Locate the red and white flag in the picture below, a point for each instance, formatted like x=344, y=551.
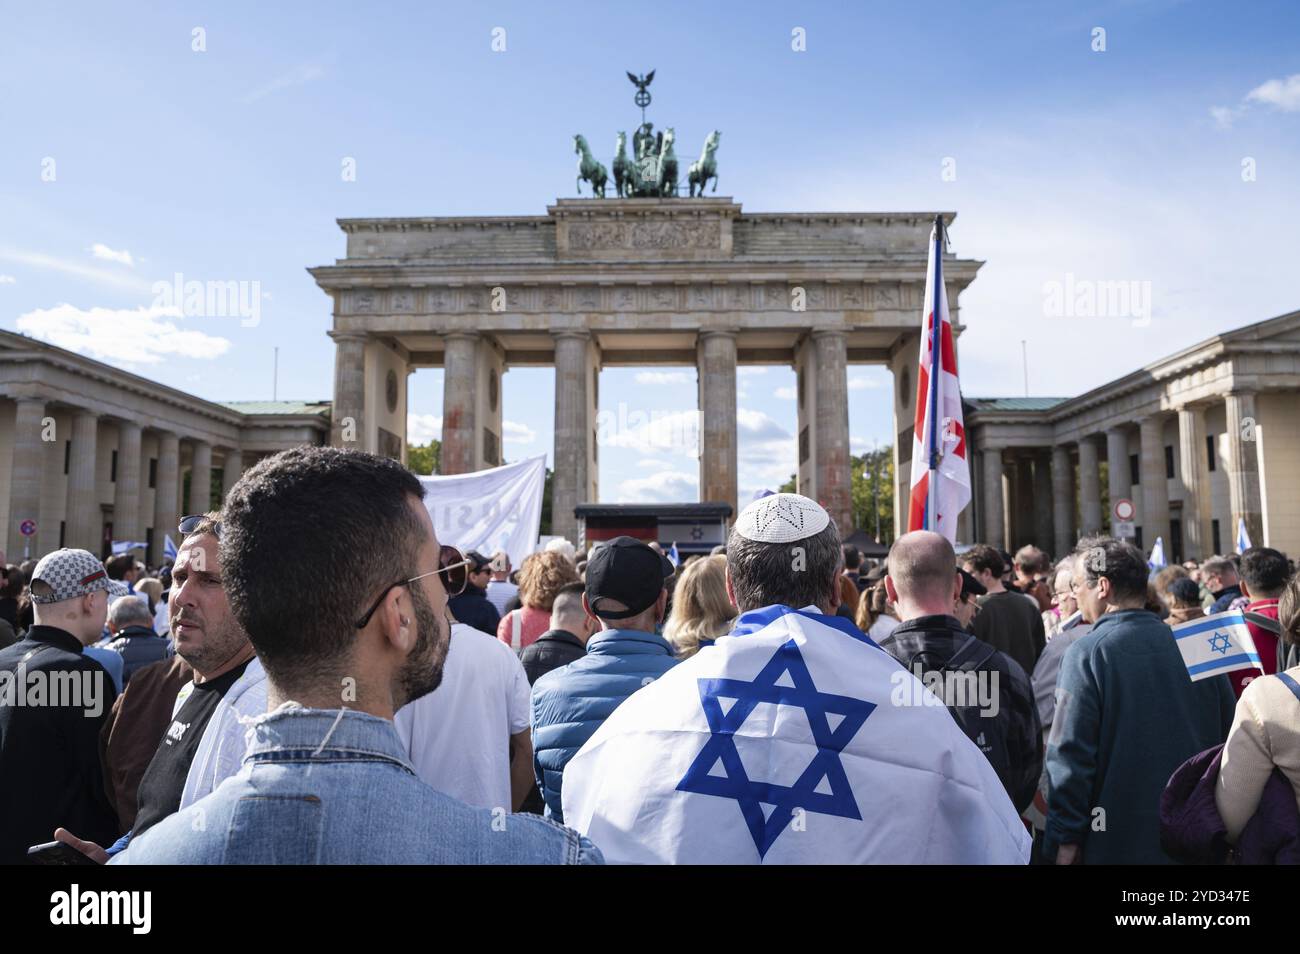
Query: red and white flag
x=940, y=471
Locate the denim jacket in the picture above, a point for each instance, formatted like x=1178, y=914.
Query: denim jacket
x=334, y=786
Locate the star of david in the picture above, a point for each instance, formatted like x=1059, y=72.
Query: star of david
x=834, y=798
x=1220, y=643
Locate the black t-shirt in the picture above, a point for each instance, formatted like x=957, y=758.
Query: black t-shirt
x=164, y=780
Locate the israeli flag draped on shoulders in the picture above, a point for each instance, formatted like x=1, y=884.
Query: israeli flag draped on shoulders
x=1216, y=644
x=789, y=741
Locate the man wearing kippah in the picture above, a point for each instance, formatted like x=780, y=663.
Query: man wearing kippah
x=794, y=739
x=53, y=701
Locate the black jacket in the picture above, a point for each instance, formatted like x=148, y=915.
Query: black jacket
x=551, y=650
x=50, y=773
x=473, y=609
x=139, y=646
x=1011, y=737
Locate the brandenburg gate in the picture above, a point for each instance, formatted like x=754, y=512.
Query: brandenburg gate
x=631, y=281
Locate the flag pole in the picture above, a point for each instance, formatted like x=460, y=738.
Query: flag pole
x=936, y=368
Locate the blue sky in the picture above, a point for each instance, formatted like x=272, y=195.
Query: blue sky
x=1119, y=165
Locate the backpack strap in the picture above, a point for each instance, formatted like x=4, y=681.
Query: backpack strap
x=517, y=629
x=1290, y=684
x=1264, y=622
x=970, y=655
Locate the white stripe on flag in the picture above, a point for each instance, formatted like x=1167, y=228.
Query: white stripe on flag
x=1216, y=644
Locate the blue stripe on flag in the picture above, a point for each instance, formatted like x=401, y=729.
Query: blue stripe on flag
x=1217, y=621
x=1240, y=661
x=755, y=620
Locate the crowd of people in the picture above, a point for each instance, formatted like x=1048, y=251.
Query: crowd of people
x=317, y=678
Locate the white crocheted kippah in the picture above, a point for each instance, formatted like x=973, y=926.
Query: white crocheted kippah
x=782, y=518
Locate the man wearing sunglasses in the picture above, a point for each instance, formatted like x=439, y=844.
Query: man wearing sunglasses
x=325, y=779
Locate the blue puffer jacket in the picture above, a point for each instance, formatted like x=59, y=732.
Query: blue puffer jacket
x=570, y=703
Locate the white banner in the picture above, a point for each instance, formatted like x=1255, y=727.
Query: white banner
x=489, y=510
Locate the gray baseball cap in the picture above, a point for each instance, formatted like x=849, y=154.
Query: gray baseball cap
x=69, y=574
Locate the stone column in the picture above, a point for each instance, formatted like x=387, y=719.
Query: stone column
x=1062, y=502
x=1117, y=466
x=347, y=416
x=831, y=388
x=459, y=401
x=84, y=521
x=1044, y=517
x=716, y=363
x=126, y=494
x=231, y=469
x=570, y=483
x=200, y=477
x=1089, y=487
x=167, y=480
x=1243, y=467
x=994, y=517
x=1196, y=501
x=1155, y=485
x=28, y=477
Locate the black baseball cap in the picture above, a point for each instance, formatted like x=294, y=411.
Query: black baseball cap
x=971, y=586
x=626, y=570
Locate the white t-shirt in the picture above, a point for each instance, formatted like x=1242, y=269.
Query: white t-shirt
x=501, y=592
x=458, y=736
x=882, y=627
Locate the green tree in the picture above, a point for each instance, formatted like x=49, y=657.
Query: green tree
x=872, y=491
x=423, y=459
x=790, y=486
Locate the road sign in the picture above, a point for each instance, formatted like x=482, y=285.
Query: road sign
x=27, y=528
x=1124, y=529
x=1124, y=510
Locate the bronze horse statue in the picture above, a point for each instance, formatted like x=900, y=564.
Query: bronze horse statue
x=706, y=167
x=622, y=169
x=589, y=168
x=667, y=184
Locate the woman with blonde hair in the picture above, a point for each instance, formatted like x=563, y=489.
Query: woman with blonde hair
x=875, y=614
x=701, y=609
x=541, y=577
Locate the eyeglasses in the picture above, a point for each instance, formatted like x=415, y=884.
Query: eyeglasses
x=455, y=582
x=191, y=523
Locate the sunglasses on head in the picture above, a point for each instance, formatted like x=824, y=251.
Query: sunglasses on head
x=191, y=523
x=450, y=562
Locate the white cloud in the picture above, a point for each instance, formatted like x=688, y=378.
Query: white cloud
x=653, y=463
x=101, y=276
x=667, y=486
x=757, y=426
x=100, y=250
x=299, y=76
x=858, y=383
x=516, y=433
x=786, y=394
x=1283, y=94
x=675, y=432
x=124, y=335
x=746, y=370
x=422, y=428
x=663, y=377
x=8, y=280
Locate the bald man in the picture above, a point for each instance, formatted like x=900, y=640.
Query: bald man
x=986, y=691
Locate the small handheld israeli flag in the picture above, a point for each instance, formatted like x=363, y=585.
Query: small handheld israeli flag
x=1216, y=644
x=169, y=548
x=126, y=546
x=1243, y=538
x=1157, y=559
x=672, y=555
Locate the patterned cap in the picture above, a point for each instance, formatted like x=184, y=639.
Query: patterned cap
x=782, y=518
x=69, y=574
x=117, y=588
